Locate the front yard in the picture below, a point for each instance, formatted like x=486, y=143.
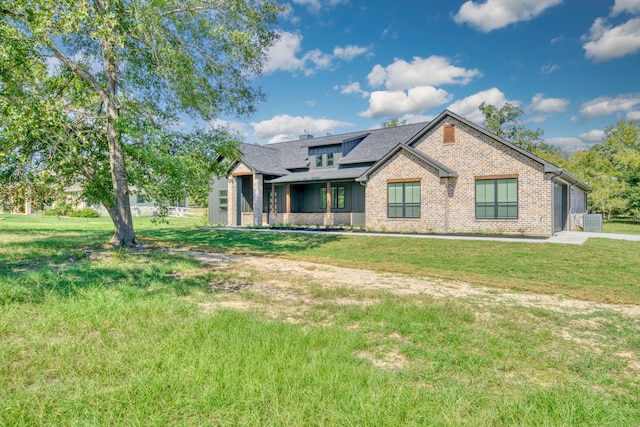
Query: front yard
x=204, y=327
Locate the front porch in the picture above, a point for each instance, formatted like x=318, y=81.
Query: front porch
x=259, y=202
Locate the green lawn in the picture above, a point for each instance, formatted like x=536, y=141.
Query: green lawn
x=600, y=270
x=621, y=225
x=95, y=336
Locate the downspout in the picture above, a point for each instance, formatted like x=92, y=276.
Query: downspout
x=570, y=206
x=364, y=184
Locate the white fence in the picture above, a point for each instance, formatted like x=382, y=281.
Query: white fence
x=188, y=212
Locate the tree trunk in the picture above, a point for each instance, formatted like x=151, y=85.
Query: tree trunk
x=121, y=212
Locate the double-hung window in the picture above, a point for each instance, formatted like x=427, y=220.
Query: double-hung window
x=497, y=198
x=403, y=199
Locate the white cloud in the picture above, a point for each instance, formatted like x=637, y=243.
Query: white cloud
x=569, y=144
x=605, y=42
x=349, y=52
x=603, y=106
x=53, y=65
x=432, y=71
x=286, y=55
x=633, y=115
x=630, y=6
x=548, y=105
x=288, y=127
x=415, y=100
x=316, y=5
x=494, y=14
x=280, y=138
x=237, y=128
x=593, y=136
x=537, y=119
x=549, y=68
x=417, y=118
x=468, y=107
x=288, y=15
x=377, y=76
x=352, y=88
x=282, y=56
x=583, y=142
x=321, y=60
x=388, y=32
x=92, y=62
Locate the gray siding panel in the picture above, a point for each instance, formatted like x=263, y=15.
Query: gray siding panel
x=218, y=202
x=357, y=197
x=306, y=198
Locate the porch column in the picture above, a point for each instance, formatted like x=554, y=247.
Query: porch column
x=258, y=182
x=328, y=217
x=232, y=201
x=288, y=199
x=273, y=198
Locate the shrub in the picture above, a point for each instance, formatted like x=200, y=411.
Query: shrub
x=61, y=209
x=85, y=213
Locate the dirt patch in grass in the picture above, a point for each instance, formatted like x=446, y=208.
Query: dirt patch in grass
x=282, y=279
x=303, y=292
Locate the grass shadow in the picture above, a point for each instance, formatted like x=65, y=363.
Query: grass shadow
x=239, y=241
x=146, y=273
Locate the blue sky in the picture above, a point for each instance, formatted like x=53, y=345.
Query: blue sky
x=340, y=66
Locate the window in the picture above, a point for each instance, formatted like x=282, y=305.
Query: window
x=497, y=198
x=324, y=157
x=403, y=200
x=222, y=200
x=140, y=199
x=337, y=194
x=329, y=159
x=337, y=197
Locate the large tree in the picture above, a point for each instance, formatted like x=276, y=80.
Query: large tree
x=607, y=195
x=507, y=123
x=99, y=88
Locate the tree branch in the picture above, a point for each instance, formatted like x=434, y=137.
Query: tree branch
x=191, y=9
x=84, y=75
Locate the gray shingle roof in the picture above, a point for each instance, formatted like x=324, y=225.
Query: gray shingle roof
x=263, y=159
x=443, y=171
x=278, y=158
x=321, y=175
x=379, y=142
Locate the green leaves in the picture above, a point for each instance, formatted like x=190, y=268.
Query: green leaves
x=506, y=123
x=127, y=71
x=612, y=168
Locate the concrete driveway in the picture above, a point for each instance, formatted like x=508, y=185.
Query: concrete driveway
x=563, y=237
x=579, y=237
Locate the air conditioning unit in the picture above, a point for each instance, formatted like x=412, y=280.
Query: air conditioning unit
x=592, y=223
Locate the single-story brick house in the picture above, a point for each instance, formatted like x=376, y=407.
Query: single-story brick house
x=446, y=176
